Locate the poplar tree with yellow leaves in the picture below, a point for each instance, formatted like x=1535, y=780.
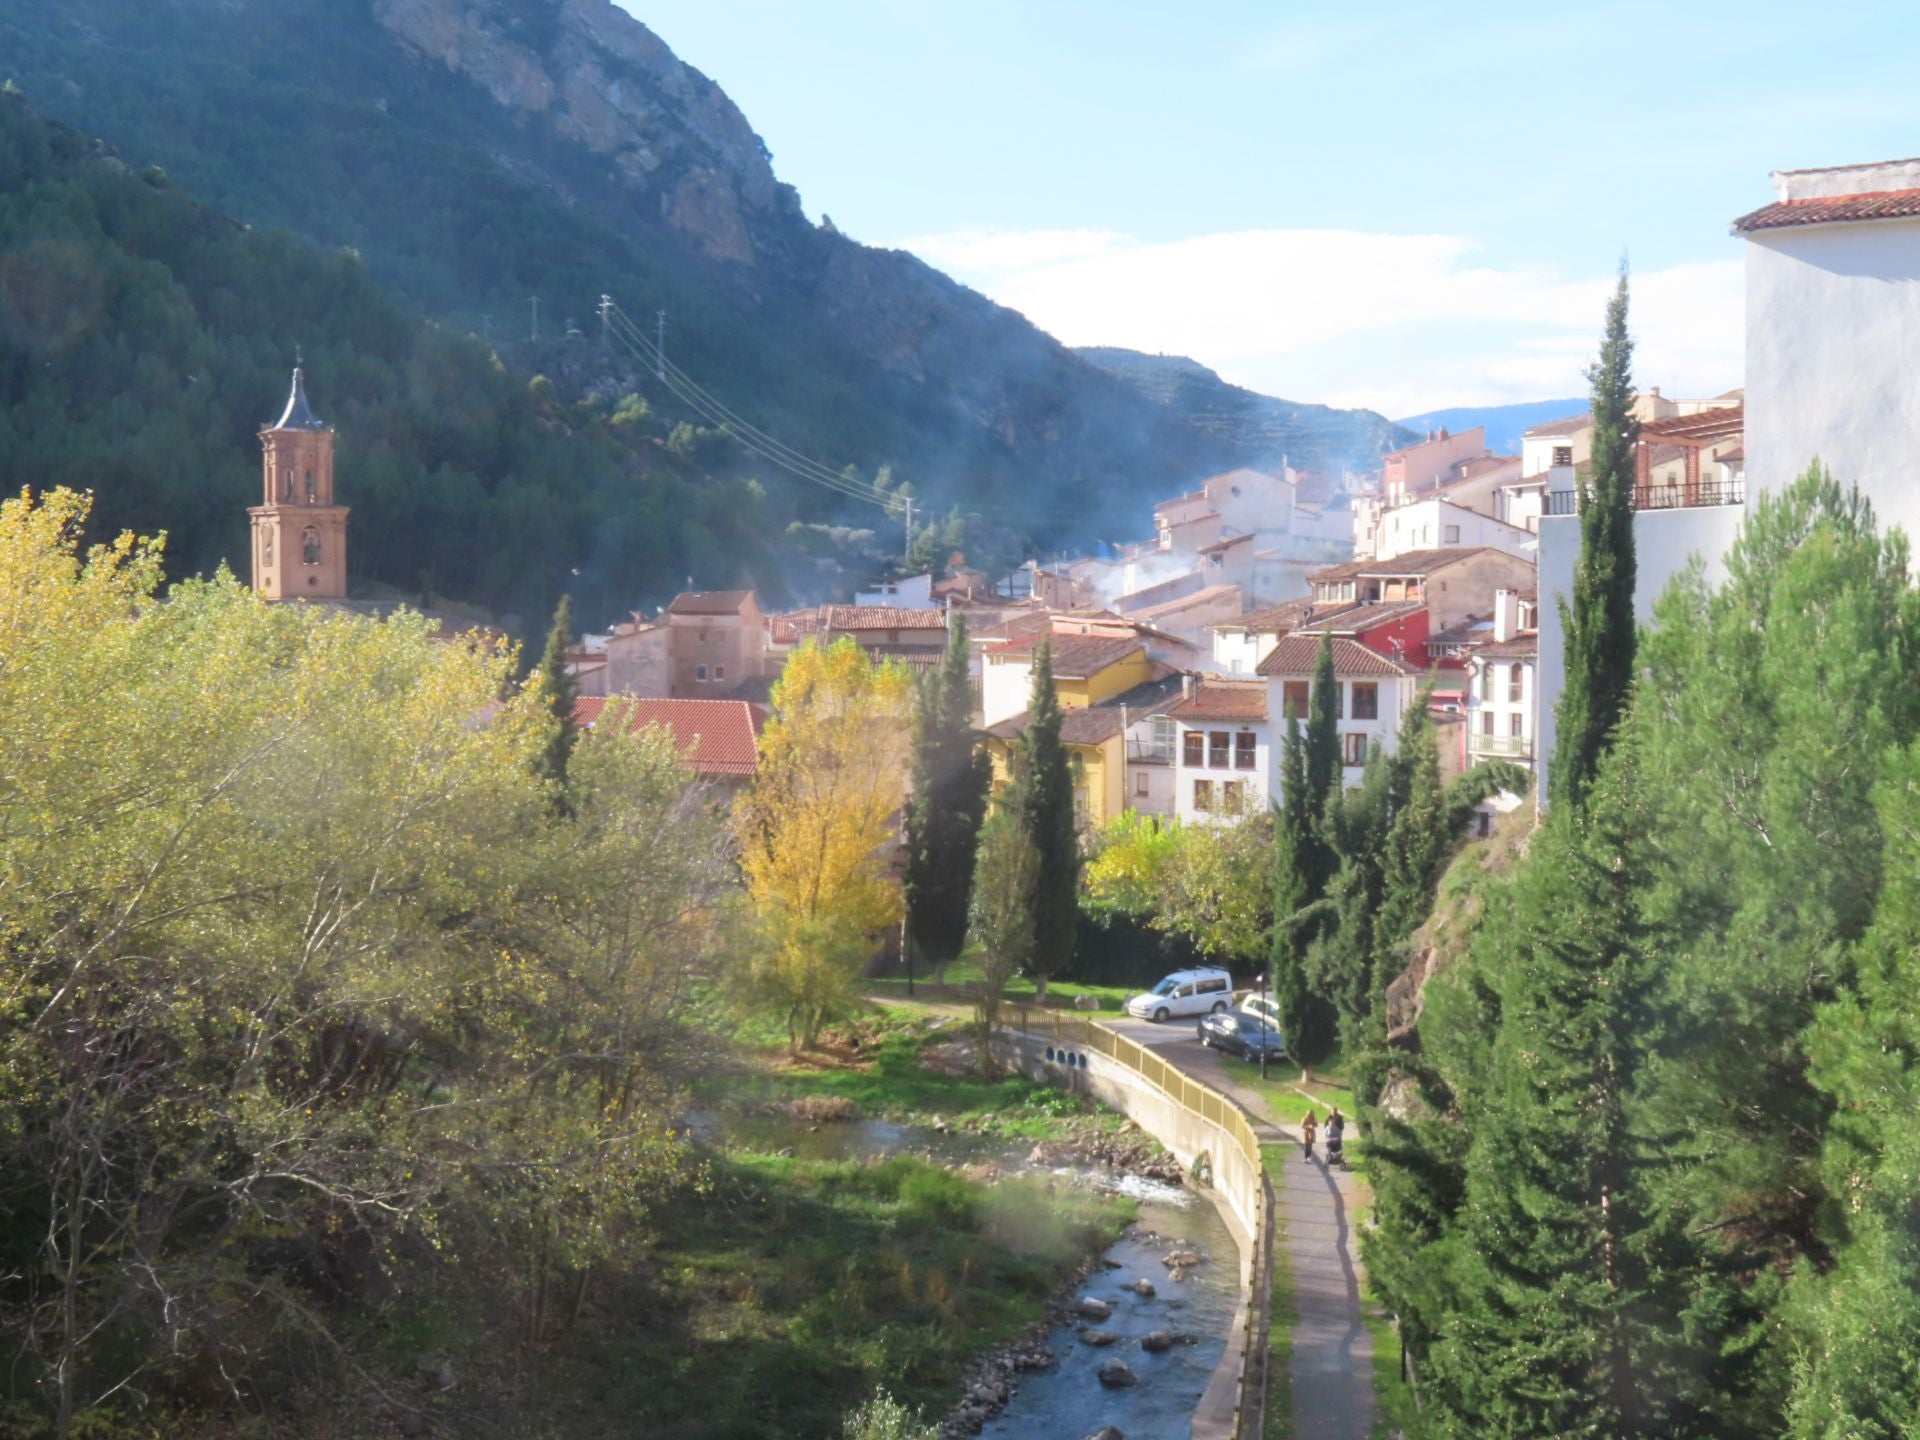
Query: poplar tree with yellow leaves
x=817, y=829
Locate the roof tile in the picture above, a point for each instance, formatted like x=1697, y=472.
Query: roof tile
x=1298, y=655
x=1833, y=209
x=717, y=737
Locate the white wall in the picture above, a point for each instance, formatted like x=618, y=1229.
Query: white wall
x=1005, y=688
x=1833, y=359
x=1394, y=696
x=1239, y=652
x=915, y=592
x=1260, y=781
x=1436, y=524
x=1503, y=709
x=1664, y=541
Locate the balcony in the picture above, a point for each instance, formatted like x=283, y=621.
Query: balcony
x=1500, y=747
x=1702, y=495
x=1142, y=751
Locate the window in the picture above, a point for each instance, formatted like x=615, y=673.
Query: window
x=310, y=490
x=700, y=673
x=1353, y=749
x=1218, y=742
x=1163, y=738
x=1140, y=786
x=1486, y=722
x=1243, y=750
x=1203, y=796
x=1233, y=797
x=1211, y=987
x=1563, y=454
x=1486, y=680
x=719, y=672
x=1366, y=700
x=1515, y=683
x=1293, y=704
x=1193, y=747
x=310, y=547
x=1452, y=533
x=1514, y=727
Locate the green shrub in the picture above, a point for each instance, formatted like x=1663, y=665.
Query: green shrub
x=939, y=1199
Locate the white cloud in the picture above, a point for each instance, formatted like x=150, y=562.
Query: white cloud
x=1399, y=323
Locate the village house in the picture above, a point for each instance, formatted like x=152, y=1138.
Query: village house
x=1240, y=644
x=1500, y=687
x=1226, y=766
x=1121, y=750
x=1440, y=521
x=1453, y=583
x=1086, y=670
x=1192, y=617
x=1374, y=692
x=910, y=637
x=718, y=739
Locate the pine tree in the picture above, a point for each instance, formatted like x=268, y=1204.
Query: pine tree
x=950, y=778
x=1004, y=912
x=1566, y=1321
x=1046, y=813
x=1306, y=1018
x=1598, y=620
x=560, y=690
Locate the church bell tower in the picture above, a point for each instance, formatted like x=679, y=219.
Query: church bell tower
x=299, y=534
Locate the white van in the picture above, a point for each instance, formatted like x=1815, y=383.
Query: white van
x=1185, y=992
x=1261, y=1005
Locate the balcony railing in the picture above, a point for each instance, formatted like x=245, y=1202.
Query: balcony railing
x=1149, y=752
x=1510, y=747
x=1705, y=494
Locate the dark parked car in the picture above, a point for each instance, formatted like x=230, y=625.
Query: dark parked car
x=1241, y=1034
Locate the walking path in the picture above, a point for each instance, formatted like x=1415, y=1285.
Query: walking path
x=1332, y=1357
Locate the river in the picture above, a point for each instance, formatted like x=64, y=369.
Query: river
x=1067, y=1401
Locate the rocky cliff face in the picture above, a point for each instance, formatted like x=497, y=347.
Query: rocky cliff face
x=593, y=74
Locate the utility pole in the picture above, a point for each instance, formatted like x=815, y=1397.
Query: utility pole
x=660, y=346
x=606, y=321
x=906, y=554
x=534, y=333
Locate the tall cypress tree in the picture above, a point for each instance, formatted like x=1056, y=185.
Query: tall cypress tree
x=1598, y=620
x=1323, y=729
x=950, y=777
x=1046, y=812
x=560, y=690
x=1306, y=1018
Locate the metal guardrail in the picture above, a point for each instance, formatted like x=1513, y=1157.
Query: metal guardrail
x=1249, y=1410
x=1520, y=745
x=1703, y=495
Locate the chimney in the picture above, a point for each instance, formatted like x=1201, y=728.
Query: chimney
x=1443, y=432
x=1506, y=613
x=1186, y=686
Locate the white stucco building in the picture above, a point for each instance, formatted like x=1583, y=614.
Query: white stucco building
x=1225, y=762
x=1375, y=691
x=1439, y=523
x=1500, y=687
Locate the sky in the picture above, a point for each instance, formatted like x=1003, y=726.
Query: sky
x=1396, y=205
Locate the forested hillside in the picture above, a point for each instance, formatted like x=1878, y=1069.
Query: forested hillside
x=481, y=155
x=145, y=338
x=1262, y=428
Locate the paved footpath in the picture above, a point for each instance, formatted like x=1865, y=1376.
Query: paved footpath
x=1332, y=1360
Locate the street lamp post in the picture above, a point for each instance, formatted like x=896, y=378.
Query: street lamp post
x=1263, y=1027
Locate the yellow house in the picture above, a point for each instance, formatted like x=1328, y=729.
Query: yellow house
x=1122, y=758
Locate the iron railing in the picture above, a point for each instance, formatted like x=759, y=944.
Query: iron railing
x=1509, y=745
x=1703, y=494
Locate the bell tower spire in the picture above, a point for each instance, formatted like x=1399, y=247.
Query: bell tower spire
x=299, y=534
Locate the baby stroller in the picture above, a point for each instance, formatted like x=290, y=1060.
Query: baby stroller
x=1336, y=1140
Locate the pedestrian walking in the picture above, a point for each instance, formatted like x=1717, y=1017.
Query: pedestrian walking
x=1336, y=1138
x=1307, y=1128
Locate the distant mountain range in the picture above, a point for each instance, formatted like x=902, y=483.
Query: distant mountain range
x=1505, y=423
x=1260, y=428
x=504, y=163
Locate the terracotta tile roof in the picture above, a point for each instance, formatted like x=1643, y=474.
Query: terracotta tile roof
x=1412, y=562
x=790, y=628
x=1357, y=619
x=717, y=737
x=1282, y=617
x=1097, y=724
x=1572, y=425
x=709, y=602
x=1524, y=646
x=1298, y=654
x=1075, y=657
x=880, y=617
x=1738, y=452
x=1211, y=595
x=1224, y=700
x=1833, y=209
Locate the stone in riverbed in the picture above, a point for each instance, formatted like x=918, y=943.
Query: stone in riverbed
x=1092, y=1309
x=1117, y=1375
x=1108, y=1432
x=1143, y=1287
x=1185, y=1259
x=1156, y=1341
x=1177, y=1276
x=1099, y=1339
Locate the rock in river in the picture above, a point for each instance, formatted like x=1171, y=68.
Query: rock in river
x=1183, y=1259
x=1143, y=1287
x=1108, y=1432
x=1117, y=1375
x=1156, y=1341
x=1092, y=1309
x=1097, y=1338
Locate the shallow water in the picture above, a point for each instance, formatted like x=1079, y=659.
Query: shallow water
x=1068, y=1401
